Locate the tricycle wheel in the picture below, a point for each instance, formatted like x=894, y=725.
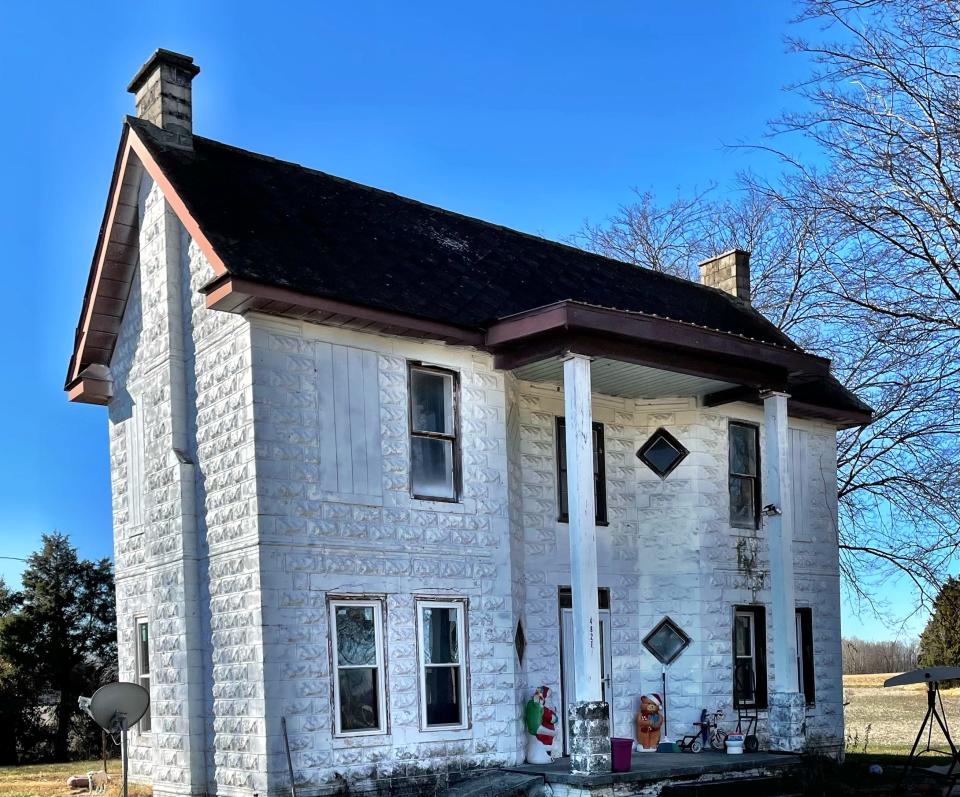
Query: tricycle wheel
x=751, y=744
x=696, y=746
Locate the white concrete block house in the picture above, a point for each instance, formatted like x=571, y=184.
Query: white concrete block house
x=375, y=474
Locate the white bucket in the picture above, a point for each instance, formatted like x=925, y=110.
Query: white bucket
x=734, y=744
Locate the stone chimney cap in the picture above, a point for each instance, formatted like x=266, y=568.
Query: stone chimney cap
x=161, y=56
x=742, y=252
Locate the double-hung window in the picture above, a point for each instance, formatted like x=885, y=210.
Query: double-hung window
x=434, y=455
x=356, y=632
x=744, y=475
x=749, y=657
x=805, y=679
x=599, y=473
x=442, y=635
x=143, y=668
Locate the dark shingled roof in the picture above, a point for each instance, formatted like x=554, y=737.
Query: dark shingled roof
x=282, y=224
x=279, y=223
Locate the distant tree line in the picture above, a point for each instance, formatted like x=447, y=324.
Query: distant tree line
x=58, y=641
x=861, y=657
x=938, y=645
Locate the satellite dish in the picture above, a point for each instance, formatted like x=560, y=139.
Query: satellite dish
x=926, y=675
x=117, y=705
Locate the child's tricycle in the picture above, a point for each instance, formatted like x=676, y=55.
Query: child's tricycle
x=709, y=732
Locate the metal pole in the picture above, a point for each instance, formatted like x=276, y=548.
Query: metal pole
x=123, y=745
x=286, y=745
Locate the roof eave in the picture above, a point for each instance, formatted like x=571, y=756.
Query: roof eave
x=235, y=295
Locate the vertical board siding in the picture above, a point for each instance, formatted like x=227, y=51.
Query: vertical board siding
x=349, y=422
x=800, y=477
x=341, y=403
x=327, y=424
x=354, y=410
x=371, y=413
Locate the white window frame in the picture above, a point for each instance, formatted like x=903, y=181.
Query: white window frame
x=377, y=605
x=460, y=605
x=752, y=617
x=141, y=622
x=452, y=438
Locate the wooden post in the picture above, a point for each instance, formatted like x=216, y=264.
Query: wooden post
x=778, y=492
x=786, y=706
x=589, y=718
x=581, y=503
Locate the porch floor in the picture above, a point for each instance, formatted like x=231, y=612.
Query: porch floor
x=652, y=767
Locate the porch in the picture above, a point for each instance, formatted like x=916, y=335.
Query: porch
x=651, y=772
x=573, y=355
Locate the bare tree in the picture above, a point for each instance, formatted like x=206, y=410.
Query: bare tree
x=863, y=658
x=859, y=261
x=883, y=105
x=664, y=238
x=898, y=489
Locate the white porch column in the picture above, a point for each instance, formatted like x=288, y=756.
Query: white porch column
x=786, y=716
x=589, y=716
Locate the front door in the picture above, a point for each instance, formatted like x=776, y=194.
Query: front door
x=567, y=667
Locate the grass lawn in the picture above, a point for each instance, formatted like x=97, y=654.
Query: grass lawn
x=880, y=720
x=50, y=780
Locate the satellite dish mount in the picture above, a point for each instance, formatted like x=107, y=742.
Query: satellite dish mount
x=932, y=677
x=115, y=707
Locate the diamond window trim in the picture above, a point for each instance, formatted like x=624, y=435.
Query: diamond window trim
x=659, y=438
x=520, y=641
x=679, y=638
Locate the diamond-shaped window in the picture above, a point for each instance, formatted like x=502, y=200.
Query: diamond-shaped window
x=519, y=641
x=662, y=453
x=666, y=641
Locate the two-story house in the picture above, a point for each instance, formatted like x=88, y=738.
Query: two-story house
x=380, y=469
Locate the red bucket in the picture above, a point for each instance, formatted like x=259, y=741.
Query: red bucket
x=620, y=750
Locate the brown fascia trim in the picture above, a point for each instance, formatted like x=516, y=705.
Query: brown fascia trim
x=131, y=149
x=568, y=316
x=96, y=266
x=89, y=391
x=843, y=418
x=235, y=295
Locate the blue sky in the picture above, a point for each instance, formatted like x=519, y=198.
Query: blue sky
x=533, y=115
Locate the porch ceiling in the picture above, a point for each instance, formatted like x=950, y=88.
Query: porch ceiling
x=625, y=380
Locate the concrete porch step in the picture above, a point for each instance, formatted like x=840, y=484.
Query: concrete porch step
x=734, y=787
x=496, y=784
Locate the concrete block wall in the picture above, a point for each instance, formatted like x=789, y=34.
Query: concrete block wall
x=317, y=542
x=669, y=550
x=179, y=420
x=154, y=512
x=221, y=392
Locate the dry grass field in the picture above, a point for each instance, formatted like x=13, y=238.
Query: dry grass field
x=50, y=780
x=887, y=720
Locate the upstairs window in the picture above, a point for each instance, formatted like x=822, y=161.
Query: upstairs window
x=750, y=657
x=744, y=475
x=434, y=455
x=356, y=631
x=442, y=633
x=143, y=668
x=599, y=473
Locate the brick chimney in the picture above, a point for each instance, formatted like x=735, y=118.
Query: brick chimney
x=729, y=272
x=164, y=96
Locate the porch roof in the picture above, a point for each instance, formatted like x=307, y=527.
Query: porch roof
x=626, y=380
